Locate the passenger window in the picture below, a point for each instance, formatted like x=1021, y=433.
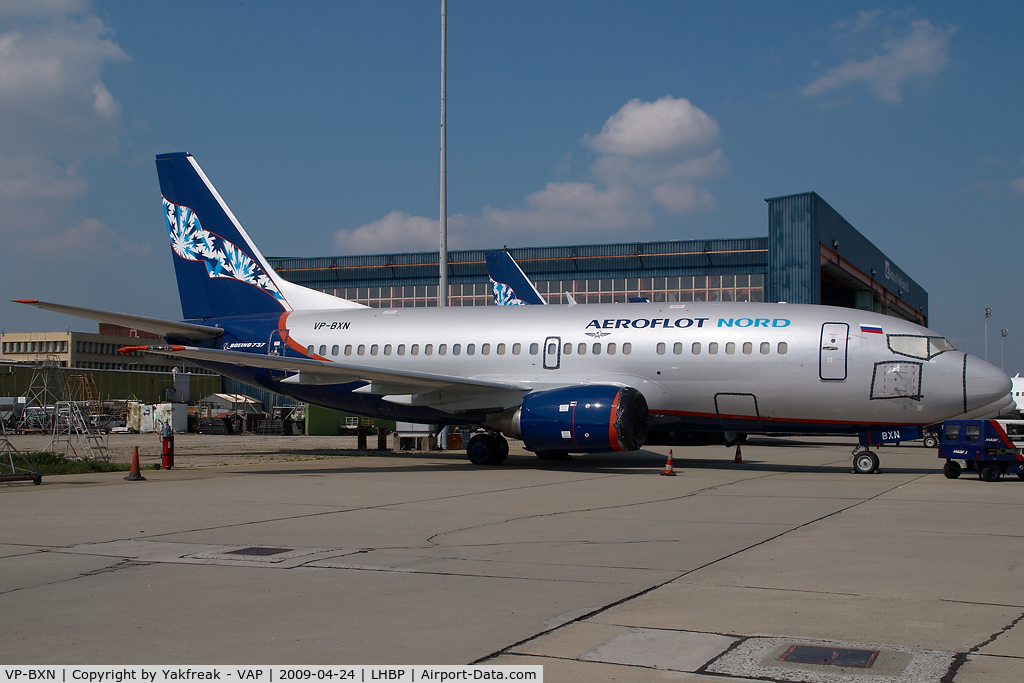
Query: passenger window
x=677, y=348
x=567, y=349
x=361, y=350
x=748, y=348
x=456, y=349
x=309, y=350
x=661, y=348
x=783, y=348
x=348, y=349
x=323, y=350
x=387, y=349
x=334, y=350
x=626, y=348
x=414, y=349
x=582, y=348
x=611, y=348
x=373, y=350
x=442, y=349
x=730, y=348
x=485, y=349
x=597, y=348
x=470, y=349
x=951, y=432
x=766, y=348
x=401, y=349
x=534, y=348
x=972, y=432
x=695, y=348
x=428, y=349
x=713, y=348
x=501, y=349
x=516, y=348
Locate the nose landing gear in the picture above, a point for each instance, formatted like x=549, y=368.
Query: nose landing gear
x=864, y=461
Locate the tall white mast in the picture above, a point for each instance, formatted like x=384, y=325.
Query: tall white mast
x=442, y=289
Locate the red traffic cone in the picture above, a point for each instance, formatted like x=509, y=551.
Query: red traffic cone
x=668, y=471
x=739, y=455
x=136, y=473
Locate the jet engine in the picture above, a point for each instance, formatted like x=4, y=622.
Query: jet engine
x=581, y=419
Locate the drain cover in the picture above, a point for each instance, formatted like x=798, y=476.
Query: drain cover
x=258, y=551
x=836, y=656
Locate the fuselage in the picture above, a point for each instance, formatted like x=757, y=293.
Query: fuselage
x=732, y=366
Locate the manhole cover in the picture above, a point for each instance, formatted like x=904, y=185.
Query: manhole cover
x=836, y=656
x=259, y=552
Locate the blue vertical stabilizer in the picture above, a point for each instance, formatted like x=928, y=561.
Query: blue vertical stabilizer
x=509, y=284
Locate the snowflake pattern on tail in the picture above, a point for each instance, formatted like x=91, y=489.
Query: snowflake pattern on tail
x=505, y=295
x=222, y=258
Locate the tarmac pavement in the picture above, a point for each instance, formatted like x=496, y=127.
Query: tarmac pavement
x=597, y=568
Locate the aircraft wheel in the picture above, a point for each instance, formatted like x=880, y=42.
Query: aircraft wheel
x=1020, y=475
x=484, y=450
x=545, y=455
x=930, y=441
x=865, y=462
x=951, y=470
x=502, y=444
x=990, y=473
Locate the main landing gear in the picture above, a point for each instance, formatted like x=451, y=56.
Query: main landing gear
x=489, y=448
x=864, y=461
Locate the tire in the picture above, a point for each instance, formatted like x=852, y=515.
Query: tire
x=951, y=470
x=865, y=462
x=990, y=473
x=483, y=449
x=930, y=441
x=1020, y=475
x=543, y=455
x=502, y=445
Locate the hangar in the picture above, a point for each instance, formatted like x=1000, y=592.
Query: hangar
x=811, y=255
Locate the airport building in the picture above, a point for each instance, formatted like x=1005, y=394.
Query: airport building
x=811, y=255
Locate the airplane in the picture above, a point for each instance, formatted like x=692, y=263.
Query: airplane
x=563, y=379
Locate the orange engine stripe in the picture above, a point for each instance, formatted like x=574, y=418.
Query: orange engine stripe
x=613, y=433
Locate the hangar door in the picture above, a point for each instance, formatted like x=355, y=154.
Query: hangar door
x=832, y=361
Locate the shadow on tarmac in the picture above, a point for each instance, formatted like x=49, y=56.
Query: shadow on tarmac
x=636, y=462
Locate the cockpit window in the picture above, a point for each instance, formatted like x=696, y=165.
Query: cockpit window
x=917, y=346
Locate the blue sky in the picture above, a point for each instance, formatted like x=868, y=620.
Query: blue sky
x=568, y=122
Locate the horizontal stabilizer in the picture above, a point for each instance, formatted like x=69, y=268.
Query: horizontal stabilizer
x=136, y=322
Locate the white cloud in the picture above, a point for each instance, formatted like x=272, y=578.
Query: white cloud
x=399, y=232
x=652, y=128
x=1017, y=185
x=650, y=157
x=922, y=52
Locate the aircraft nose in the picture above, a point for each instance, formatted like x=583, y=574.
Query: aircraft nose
x=983, y=383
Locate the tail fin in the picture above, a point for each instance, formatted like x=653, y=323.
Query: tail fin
x=220, y=271
x=509, y=283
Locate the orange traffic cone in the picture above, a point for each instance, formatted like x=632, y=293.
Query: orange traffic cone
x=136, y=473
x=739, y=455
x=668, y=471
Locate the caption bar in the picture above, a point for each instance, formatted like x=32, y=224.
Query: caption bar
x=268, y=674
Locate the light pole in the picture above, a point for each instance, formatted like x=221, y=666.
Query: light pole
x=988, y=314
x=1002, y=336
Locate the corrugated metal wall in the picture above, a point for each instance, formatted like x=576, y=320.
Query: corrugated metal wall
x=632, y=259
x=794, y=270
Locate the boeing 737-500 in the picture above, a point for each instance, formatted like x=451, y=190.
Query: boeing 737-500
x=563, y=379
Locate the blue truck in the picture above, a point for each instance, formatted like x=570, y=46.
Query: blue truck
x=991, y=448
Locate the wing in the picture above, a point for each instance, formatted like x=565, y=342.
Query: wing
x=381, y=380
x=138, y=322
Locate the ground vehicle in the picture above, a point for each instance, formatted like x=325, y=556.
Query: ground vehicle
x=990, y=447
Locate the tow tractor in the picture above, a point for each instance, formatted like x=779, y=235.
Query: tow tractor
x=991, y=448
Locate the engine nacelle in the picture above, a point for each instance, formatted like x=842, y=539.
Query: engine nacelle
x=583, y=419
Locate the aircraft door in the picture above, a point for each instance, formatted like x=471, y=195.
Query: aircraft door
x=834, y=342
x=278, y=343
x=552, y=353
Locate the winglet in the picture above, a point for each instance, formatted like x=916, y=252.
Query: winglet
x=509, y=283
